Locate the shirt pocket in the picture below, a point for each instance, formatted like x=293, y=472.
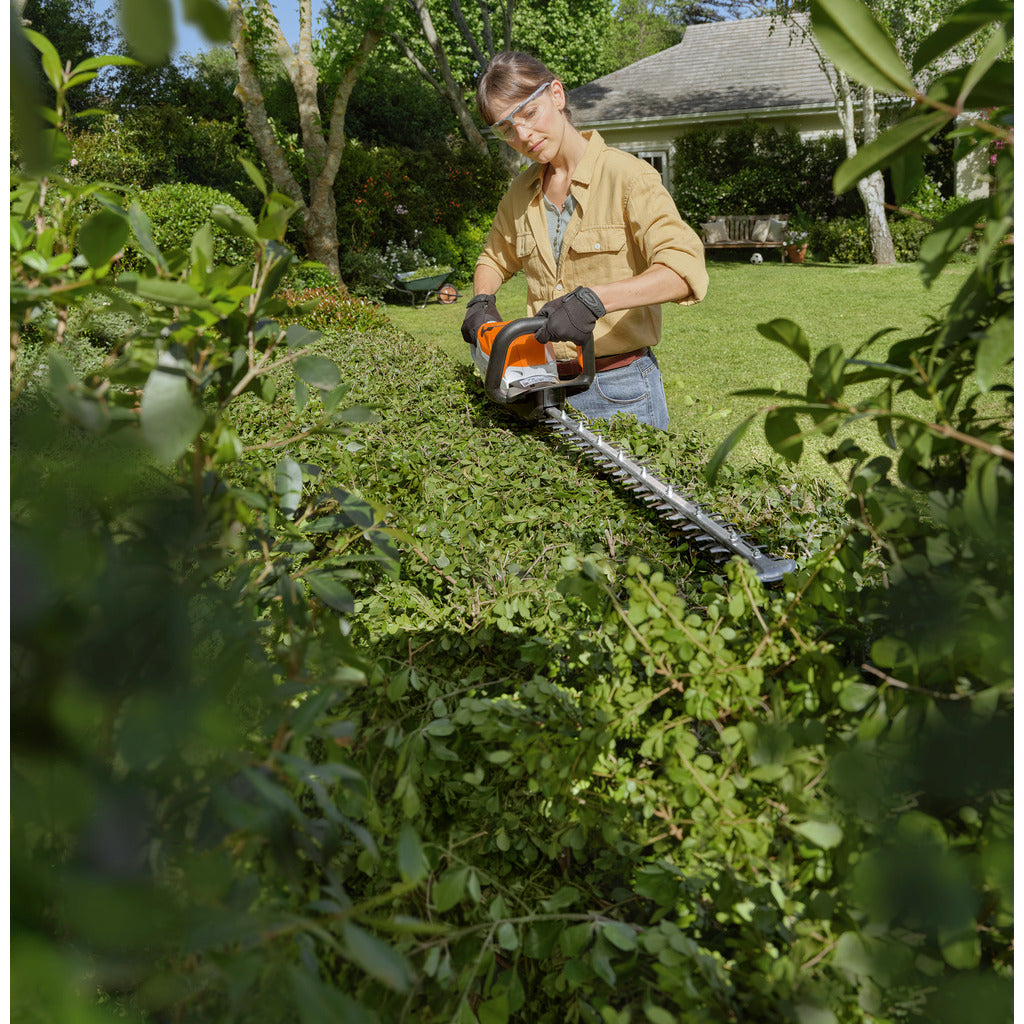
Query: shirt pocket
x=526, y=246
x=603, y=246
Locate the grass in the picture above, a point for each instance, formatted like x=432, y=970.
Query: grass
x=713, y=349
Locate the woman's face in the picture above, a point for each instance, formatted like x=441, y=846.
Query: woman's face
x=538, y=126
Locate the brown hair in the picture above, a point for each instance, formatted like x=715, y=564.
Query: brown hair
x=508, y=79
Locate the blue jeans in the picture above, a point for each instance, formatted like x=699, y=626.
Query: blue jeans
x=636, y=389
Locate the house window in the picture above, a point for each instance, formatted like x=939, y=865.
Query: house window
x=658, y=159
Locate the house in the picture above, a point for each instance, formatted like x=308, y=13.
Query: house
x=720, y=73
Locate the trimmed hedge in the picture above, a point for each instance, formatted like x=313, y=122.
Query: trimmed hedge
x=752, y=168
x=177, y=211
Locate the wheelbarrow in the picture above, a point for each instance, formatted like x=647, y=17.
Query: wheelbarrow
x=426, y=287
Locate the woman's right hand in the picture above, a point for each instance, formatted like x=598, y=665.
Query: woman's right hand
x=480, y=310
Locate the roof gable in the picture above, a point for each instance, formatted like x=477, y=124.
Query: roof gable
x=722, y=67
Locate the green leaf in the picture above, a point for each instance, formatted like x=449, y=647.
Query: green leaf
x=102, y=236
x=273, y=224
x=297, y=336
x=412, y=860
x=601, y=962
x=318, y=1003
x=961, y=24
x=576, y=938
x=507, y=936
x=159, y=289
x=201, y=249
x=855, y=696
x=809, y=1013
x=108, y=60
x=657, y=1015
x=143, y=230
x=857, y=43
x=170, y=419
x=288, y=484
x=717, y=460
x=70, y=395
x=378, y=959
x=148, y=27
x=994, y=351
x=886, y=148
x=961, y=948
x=787, y=333
x=999, y=41
x=907, y=172
x=494, y=1010
x=947, y=236
x=449, y=889
x=826, y=834
x=318, y=371
x=620, y=935
x=332, y=591
x=827, y=371
x=210, y=17
x=782, y=432
x=52, y=67
x=254, y=175
x=232, y=221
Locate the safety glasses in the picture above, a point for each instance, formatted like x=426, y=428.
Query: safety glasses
x=506, y=127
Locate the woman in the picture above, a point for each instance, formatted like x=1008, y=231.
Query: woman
x=597, y=236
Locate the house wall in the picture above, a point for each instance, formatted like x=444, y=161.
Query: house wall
x=655, y=140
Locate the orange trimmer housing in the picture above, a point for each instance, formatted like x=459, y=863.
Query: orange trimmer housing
x=516, y=367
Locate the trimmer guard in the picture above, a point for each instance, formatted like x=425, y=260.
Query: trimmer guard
x=515, y=365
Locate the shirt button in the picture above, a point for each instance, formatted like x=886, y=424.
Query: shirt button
x=558, y=287
x=597, y=245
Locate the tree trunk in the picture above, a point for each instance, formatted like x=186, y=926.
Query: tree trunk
x=871, y=188
x=322, y=150
x=872, y=191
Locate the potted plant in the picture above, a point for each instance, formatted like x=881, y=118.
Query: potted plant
x=796, y=246
x=796, y=238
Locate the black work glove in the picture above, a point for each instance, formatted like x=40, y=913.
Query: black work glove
x=571, y=318
x=480, y=310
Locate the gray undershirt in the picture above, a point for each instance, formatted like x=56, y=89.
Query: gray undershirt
x=558, y=221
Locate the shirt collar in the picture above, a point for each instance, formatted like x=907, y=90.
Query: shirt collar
x=584, y=169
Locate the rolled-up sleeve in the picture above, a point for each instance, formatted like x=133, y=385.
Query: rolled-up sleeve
x=499, y=251
x=665, y=237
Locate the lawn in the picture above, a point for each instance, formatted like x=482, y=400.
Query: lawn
x=713, y=349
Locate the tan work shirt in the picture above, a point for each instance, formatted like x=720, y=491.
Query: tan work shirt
x=625, y=222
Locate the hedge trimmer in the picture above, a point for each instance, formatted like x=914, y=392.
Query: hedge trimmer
x=520, y=371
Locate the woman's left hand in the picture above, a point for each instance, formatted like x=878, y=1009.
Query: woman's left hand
x=570, y=318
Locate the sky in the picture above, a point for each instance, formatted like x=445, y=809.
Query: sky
x=190, y=40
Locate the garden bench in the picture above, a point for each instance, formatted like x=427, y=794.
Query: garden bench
x=746, y=231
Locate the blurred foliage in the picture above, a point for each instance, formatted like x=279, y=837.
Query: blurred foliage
x=328, y=713
x=940, y=510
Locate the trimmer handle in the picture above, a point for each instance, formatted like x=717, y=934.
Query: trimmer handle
x=515, y=342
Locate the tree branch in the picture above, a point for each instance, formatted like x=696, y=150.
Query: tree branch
x=250, y=95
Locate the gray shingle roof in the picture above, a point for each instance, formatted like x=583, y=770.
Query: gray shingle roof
x=717, y=68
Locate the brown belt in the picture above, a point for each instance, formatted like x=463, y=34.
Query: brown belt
x=602, y=363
